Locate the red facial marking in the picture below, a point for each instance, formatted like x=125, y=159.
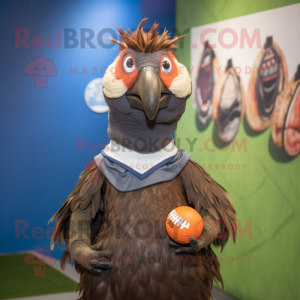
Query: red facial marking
x=127, y=77
x=168, y=77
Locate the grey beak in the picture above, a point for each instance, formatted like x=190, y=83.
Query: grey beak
x=148, y=93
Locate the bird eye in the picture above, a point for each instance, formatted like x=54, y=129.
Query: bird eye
x=128, y=64
x=166, y=65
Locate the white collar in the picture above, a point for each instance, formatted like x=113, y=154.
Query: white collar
x=139, y=162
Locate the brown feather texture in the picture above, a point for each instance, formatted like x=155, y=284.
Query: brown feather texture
x=86, y=191
x=203, y=192
x=141, y=41
x=132, y=226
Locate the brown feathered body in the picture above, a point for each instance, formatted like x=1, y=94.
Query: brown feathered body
x=132, y=226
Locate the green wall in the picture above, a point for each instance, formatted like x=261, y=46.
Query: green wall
x=266, y=192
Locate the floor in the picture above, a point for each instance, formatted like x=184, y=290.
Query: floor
x=216, y=295
x=70, y=272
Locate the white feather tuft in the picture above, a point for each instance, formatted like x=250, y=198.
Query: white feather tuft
x=181, y=86
x=113, y=87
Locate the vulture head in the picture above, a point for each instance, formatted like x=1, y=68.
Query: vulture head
x=146, y=90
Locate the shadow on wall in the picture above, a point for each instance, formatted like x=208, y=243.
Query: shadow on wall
x=218, y=294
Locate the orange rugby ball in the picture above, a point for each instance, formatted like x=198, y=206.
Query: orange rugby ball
x=182, y=223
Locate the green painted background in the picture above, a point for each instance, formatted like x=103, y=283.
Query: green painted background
x=267, y=192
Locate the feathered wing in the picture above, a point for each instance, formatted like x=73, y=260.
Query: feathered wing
x=203, y=192
x=87, y=190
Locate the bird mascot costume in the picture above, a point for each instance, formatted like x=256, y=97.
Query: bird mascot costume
x=113, y=222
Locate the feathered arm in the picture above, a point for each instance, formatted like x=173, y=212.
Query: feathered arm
x=213, y=203
x=78, y=218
